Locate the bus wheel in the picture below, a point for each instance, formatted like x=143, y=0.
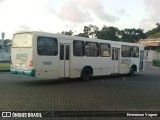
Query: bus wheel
x=132, y=71
x=86, y=74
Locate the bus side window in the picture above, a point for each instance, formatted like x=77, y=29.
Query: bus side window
x=78, y=48
x=47, y=46
x=126, y=51
x=135, y=52
x=92, y=49
x=104, y=50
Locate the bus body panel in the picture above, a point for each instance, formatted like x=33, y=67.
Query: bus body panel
x=100, y=67
x=64, y=58
x=46, y=66
x=22, y=57
x=65, y=65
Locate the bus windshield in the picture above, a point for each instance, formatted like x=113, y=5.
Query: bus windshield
x=22, y=40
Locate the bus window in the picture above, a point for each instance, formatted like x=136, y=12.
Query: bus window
x=22, y=40
x=126, y=51
x=112, y=54
x=135, y=52
x=115, y=53
x=92, y=49
x=61, y=52
x=78, y=48
x=67, y=52
x=47, y=46
x=104, y=50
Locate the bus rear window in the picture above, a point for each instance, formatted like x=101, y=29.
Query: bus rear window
x=22, y=40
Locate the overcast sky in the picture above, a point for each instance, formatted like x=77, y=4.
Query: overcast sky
x=63, y=15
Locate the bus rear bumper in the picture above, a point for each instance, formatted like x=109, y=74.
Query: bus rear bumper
x=24, y=72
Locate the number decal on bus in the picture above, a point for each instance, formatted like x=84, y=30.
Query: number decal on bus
x=47, y=63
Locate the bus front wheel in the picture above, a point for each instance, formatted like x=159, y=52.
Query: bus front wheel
x=132, y=71
x=86, y=74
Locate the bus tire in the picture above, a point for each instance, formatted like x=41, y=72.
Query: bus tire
x=132, y=71
x=86, y=73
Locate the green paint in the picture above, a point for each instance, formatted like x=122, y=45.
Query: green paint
x=27, y=72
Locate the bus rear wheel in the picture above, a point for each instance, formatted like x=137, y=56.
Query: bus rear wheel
x=86, y=74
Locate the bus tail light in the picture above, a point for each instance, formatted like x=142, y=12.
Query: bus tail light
x=30, y=63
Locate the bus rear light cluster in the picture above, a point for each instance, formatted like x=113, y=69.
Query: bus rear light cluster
x=30, y=63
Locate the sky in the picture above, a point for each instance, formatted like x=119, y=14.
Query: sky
x=63, y=15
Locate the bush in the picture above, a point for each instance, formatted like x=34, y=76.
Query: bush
x=158, y=49
x=156, y=63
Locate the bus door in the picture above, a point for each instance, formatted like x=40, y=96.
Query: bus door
x=64, y=60
x=115, y=59
x=141, y=65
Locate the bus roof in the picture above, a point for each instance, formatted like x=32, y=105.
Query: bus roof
x=68, y=37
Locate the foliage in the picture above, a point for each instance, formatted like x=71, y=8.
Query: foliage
x=83, y=35
x=131, y=35
x=154, y=33
x=153, y=36
x=6, y=41
x=112, y=33
x=109, y=33
x=89, y=31
x=67, y=32
x=156, y=63
x=158, y=49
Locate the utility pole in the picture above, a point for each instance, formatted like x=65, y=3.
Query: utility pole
x=3, y=35
x=2, y=45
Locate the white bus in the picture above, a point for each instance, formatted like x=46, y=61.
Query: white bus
x=54, y=56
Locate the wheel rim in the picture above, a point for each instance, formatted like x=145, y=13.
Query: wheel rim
x=132, y=72
x=87, y=74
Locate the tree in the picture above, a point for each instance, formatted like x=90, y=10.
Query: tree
x=66, y=32
x=82, y=35
x=153, y=33
x=154, y=36
x=93, y=31
x=89, y=31
x=109, y=33
x=132, y=35
x=158, y=25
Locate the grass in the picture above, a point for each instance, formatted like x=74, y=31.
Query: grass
x=5, y=65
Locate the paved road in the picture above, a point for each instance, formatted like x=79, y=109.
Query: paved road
x=118, y=93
